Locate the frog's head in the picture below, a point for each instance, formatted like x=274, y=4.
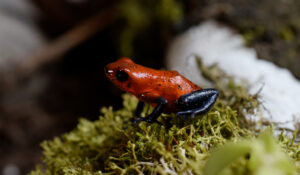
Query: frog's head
x=120, y=72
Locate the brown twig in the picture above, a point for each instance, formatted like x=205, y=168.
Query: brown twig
x=55, y=49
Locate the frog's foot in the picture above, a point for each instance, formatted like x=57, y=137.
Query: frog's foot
x=197, y=102
x=146, y=119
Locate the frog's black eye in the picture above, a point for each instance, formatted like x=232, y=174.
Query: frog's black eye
x=122, y=76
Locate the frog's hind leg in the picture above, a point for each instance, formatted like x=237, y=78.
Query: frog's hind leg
x=197, y=102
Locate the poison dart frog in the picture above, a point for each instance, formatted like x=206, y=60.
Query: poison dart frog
x=166, y=91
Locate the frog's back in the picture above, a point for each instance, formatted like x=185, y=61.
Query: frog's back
x=169, y=85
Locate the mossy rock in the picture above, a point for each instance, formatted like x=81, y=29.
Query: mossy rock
x=219, y=142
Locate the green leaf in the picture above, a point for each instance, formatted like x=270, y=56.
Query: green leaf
x=225, y=156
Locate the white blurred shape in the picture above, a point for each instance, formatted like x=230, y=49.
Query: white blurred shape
x=218, y=44
x=18, y=34
x=11, y=169
x=19, y=9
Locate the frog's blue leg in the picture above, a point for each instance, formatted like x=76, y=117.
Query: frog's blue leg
x=161, y=104
x=197, y=102
x=139, y=109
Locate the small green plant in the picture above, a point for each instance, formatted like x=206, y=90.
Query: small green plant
x=261, y=156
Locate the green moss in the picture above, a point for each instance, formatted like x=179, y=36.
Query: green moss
x=231, y=94
x=219, y=141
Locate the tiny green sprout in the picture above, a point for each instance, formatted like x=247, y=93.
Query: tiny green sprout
x=261, y=156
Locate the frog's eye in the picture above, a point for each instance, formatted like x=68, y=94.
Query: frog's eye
x=122, y=76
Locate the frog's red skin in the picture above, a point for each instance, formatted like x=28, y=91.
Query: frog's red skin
x=149, y=84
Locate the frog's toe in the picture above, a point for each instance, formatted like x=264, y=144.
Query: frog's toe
x=193, y=114
x=185, y=114
x=182, y=113
x=134, y=122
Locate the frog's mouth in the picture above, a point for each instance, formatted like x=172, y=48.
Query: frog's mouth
x=108, y=72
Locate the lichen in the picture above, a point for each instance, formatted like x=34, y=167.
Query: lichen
x=221, y=141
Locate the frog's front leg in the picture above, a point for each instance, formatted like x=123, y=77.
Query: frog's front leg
x=151, y=118
x=197, y=102
x=139, y=109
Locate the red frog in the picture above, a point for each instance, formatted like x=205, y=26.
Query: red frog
x=167, y=91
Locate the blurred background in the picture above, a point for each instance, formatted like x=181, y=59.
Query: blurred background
x=52, y=54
